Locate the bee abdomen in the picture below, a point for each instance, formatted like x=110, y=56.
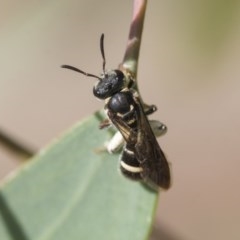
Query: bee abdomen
x=129, y=165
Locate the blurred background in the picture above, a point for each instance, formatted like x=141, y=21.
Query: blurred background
x=189, y=68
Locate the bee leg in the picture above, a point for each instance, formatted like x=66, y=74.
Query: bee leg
x=158, y=128
x=105, y=123
x=149, y=109
x=116, y=143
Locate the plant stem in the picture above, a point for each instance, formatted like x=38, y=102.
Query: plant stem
x=14, y=146
x=130, y=59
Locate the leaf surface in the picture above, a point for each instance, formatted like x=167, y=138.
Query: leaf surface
x=74, y=190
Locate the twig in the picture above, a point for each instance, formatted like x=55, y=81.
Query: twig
x=130, y=59
x=14, y=146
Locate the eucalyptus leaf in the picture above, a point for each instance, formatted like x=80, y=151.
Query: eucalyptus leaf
x=74, y=190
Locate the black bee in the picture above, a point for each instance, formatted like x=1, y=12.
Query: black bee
x=142, y=157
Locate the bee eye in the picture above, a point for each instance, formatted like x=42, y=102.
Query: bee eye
x=119, y=74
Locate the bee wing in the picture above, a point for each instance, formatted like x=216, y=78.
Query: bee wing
x=128, y=134
x=149, y=154
x=156, y=171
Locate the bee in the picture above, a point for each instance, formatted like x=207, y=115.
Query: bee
x=142, y=158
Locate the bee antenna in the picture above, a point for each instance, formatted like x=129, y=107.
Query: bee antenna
x=80, y=71
x=102, y=52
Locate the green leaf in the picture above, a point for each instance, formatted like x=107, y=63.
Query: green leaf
x=73, y=190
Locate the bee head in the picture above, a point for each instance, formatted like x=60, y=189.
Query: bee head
x=111, y=83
